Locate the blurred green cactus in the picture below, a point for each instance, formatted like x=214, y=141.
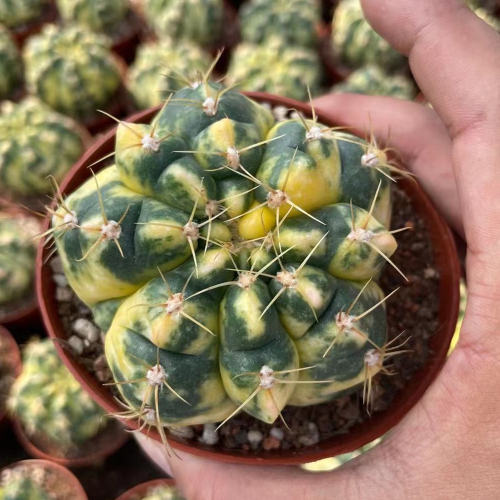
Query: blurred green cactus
x=355, y=42
x=163, y=492
x=17, y=257
x=236, y=288
x=23, y=483
x=11, y=71
x=200, y=21
x=294, y=21
x=101, y=16
x=488, y=18
x=276, y=68
x=36, y=142
x=372, y=80
x=72, y=70
x=17, y=13
x=49, y=403
x=162, y=67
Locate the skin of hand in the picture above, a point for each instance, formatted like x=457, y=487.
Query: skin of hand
x=448, y=446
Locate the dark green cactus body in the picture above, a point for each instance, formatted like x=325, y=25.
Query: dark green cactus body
x=11, y=72
x=72, y=70
x=197, y=20
x=243, y=306
x=17, y=13
x=295, y=22
x=36, y=142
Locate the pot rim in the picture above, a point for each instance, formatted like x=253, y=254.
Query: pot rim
x=58, y=469
x=142, y=488
x=445, y=254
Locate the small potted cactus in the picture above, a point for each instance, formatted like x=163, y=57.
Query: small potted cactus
x=372, y=80
x=11, y=72
x=17, y=265
x=10, y=367
x=55, y=417
x=158, y=489
x=39, y=146
x=296, y=22
x=229, y=295
x=276, y=68
x=114, y=18
x=162, y=67
x=199, y=21
x=39, y=480
x=26, y=17
x=74, y=72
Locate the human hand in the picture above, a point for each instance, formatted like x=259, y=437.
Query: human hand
x=448, y=445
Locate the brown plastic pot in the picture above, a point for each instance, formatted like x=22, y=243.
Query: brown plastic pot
x=97, y=456
x=63, y=476
x=139, y=491
x=446, y=262
x=14, y=356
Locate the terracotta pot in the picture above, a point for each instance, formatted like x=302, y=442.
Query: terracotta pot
x=140, y=490
x=445, y=261
x=63, y=476
x=103, y=449
x=14, y=356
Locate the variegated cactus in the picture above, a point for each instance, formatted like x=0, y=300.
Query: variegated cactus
x=233, y=260
x=15, y=14
x=49, y=403
x=163, y=67
x=373, y=80
x=199, y=21
x=276, y=68
x=22, y=483
x=36, y=142
x=356, y=43
x=162, y=492
x=11, y=71
x=100, y=16
x=72, y=70
x=294, y=21
x=17, y=257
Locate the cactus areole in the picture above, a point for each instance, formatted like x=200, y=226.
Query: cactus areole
x=232, y=261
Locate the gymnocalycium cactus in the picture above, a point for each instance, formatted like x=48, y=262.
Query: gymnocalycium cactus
x=96, y=15
x=49, y=403
x=14, y=14
x=356, y=43
x=294, y=21
x=163, y=492
x=232, y=261
x=11, y=73
x=163, y=67
x=276, y=68
x=372, y=80
x=199, y=21
x=72, y=70
x=36, y=142
x=17, y=257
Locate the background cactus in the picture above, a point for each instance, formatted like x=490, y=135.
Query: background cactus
x=14, y=14
x=11, y=72
x=72, y=70
x=214, y=185
x=101, y=16
x=163, y=492
x=17, y=257
x=36, y=142
x=49, y=403
x=295, y=22
x=159, y=67
x=372, y=80
x=356, y=43
x=276, y=68
x=23, y=483
x=200, y=21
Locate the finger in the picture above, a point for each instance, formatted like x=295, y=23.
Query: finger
x=415, y=131
x=455, y=58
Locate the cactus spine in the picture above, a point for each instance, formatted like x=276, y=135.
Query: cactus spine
x=49, y=403
x=236, y=289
